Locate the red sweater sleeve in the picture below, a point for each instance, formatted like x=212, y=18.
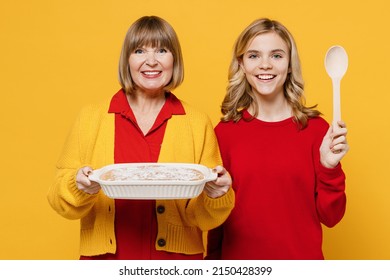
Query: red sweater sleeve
x=330, y=195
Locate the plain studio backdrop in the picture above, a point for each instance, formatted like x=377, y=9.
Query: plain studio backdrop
x=57, y=56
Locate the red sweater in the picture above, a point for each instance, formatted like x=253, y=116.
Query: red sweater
x=283, y=193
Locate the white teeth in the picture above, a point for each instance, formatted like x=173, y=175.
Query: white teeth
x=266, y=77
x=151, y=73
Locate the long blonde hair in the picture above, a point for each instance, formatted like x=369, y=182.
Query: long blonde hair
x=239, y=93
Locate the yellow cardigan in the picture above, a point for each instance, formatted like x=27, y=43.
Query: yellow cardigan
x=188, y=138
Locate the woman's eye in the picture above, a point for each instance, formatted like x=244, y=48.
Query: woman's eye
x=162, y=50
x=139, y=51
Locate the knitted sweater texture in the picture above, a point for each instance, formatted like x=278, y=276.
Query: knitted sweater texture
x=283, y=193
x=188, y=138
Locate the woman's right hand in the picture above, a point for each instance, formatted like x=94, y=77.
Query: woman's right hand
x=83, y=182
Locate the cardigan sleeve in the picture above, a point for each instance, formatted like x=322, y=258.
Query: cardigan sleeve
x=209, y=212
x=64, y=196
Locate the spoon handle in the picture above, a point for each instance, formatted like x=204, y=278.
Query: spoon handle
x=336, y=101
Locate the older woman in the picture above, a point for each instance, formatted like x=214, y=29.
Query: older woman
x=143, y=122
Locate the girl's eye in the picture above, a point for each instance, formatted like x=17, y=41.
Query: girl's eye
x=252, y=56
x=277, y=56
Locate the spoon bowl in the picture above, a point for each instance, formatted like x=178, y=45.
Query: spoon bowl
x=336, y=62
x=336, y=65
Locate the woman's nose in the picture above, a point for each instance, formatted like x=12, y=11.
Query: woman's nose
x=151, y=58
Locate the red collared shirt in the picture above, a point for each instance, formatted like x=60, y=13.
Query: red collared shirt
x=135, y=220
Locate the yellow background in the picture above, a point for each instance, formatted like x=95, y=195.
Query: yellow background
x=56, y=56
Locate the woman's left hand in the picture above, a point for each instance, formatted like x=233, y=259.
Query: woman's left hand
x=221, y=185
x=334, y=145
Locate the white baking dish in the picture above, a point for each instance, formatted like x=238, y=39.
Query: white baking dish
x=153, y=188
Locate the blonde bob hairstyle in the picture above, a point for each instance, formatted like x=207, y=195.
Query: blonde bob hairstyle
x=239, y=93
x=155, y=32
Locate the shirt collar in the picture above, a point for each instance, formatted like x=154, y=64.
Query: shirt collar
x=120, y=105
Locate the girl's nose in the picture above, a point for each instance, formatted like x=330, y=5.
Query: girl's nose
x=265, y=64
